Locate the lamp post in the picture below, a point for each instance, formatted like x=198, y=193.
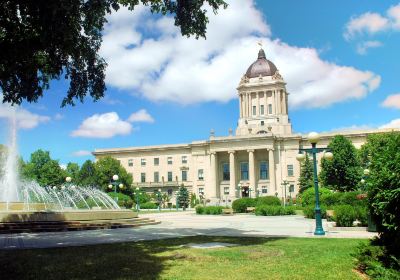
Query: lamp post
x=137, y=193
x=239, y=189
x=313, y=138
x=284, y=184
x=177, y=200
x=116, y=184
x=158, y=194
x=250, y=190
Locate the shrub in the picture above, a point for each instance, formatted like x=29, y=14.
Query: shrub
x=240, y=205
x=308, y=196
x=209, y=210
x=268, y=200
x=148, y=205
x=309, y=211
x=123, y=199
x=272, y=210
x=344, y=215
x=362, y=215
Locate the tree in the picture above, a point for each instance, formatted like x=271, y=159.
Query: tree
x=44, y=170
x=86, y=175
x=306, y=179
x=106, y=168
x=73, y=171
x=183, y=197
x=343, y=172
x=45, y=40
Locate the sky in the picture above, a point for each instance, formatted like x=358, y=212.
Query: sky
x=340, y=60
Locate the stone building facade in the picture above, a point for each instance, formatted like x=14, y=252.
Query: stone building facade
x=256, y=161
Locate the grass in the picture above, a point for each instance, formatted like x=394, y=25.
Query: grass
x=254, y=258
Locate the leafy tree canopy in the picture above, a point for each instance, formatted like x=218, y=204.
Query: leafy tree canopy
x=73, y=171
x=44, y=40
x=86, y=175
x=343, y=172
x=106, y=168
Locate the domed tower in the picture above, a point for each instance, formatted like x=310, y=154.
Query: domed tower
x=263, y=100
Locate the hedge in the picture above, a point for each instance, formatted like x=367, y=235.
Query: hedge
x=268, y=200
x=148, y=205
x=309, y=212
x=273, y=210
x=240, y=205
x=344, y=215
x=209, y=210
x=123, y=199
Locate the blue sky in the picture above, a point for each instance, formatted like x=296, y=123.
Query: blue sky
x=339, y=58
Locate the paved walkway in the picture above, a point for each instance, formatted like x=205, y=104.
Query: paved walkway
x=178, y=225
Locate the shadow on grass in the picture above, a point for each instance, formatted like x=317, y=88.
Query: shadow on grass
x=129, y=260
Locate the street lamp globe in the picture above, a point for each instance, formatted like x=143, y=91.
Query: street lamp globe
x=366, y=172
x=137, y=189
x=313, y=137
x=121, y=186
x=110, y=186
x=362, y=181
x=301, y=157
x=68, y=179
x=115, y=177
x=328, y=155
x=159, y=190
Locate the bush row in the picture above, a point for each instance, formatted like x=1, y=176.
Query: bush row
x=240, y=205
x=148, y=205
x=345, y=215
x=273, y=210
x=329, y=198
x=123, y=199
x=209, y=210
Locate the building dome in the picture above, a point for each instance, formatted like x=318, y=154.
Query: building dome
x=261, y=67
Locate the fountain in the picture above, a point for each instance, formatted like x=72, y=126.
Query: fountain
x=27, y=206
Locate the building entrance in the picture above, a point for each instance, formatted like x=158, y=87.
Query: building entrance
x=245, y=191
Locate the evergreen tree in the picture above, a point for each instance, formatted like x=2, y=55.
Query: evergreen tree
x=183, y=197
x=343, y=172
x=306, y=179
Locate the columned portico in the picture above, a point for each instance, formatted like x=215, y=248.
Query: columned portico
x=213, y=175
x=252, y=175
x=232, y=174
x=271, y=160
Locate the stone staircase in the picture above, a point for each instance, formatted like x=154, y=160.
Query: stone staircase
x=52, y=226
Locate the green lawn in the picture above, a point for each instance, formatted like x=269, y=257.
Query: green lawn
x=254, y=258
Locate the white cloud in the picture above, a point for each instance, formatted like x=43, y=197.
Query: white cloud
x=163, y=65
x=141, y=116
x=103, y=126
x=392, y=101
x=392, y=124
x=370, y=23
x=81, y=153
x=24, y=118
x=363, y=47
x=58, y=117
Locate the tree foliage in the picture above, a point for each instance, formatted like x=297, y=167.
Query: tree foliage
x=73, y=171
x=343, y=172
x=306, y=175
x=45, y=40
x=86, y=175
x=106, y=168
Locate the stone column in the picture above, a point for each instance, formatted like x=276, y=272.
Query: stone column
x=213, y=176
x=271, y=160
x=252, y=174
x=232, y=174
x=258, y=104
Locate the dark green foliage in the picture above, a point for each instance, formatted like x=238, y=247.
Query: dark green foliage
x=183, y=197
x=148, y=205
x=209, y=210
x=45, y=40
x=343, y=172
x=240, y=205
x=106, y=168
x=123, y=199
x=193, y=200
x=268, y=200
x=73, y=171
x=362, y=215
x=309, y=212
x=273, y=210
x=344, y=215
x=308, y=196
x=86, y=175
x=306, y=179
x=375, y=261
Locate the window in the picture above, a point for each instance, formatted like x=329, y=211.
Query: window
x=200, y=174
x=169, y=192
x=156, y=177
x=263, y=170
x=143, y=162
x=254, y=110
x=225, y=172
x=184, y=159
x=184, y=175
x=244, y=171
x=156, y=161
x=261, y=109
x=130, y=162
x=290, y=170
x=291, y=188
x=169, y=160
x=143, y=177
x=169, y=176
x=226, y=190
x=270, y=109
x=264, y=189
x=201, y=191
x=262, y=123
